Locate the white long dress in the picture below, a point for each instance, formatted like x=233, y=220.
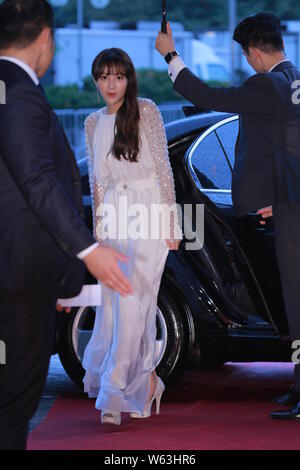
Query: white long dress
x=119, y=357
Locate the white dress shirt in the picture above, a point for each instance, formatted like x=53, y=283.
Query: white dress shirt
x=280, y=62
x=175, y=67
x=23, y=66
x=36, y=81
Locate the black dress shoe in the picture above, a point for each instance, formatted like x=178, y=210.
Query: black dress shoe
x=292, y=413
x=291, y=398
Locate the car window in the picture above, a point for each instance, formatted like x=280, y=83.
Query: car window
x=228, y=134
x=210, y=164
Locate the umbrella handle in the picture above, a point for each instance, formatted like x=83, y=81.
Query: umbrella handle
x=164, y=27
x=164, y=18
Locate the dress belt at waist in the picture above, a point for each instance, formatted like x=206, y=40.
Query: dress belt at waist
x=135, y=185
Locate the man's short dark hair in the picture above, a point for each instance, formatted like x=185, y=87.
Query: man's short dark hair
x=262, y=31
x=22, y=21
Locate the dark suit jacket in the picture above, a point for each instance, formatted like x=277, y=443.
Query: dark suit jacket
x=267, y=161
x=41, y=214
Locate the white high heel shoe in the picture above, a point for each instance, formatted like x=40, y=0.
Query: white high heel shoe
x=112, y=417
x=160, y=388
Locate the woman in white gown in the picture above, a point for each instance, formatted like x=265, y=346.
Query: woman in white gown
x=130, y=176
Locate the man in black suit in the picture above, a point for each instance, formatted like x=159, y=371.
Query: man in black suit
x=266, y=174
x=45, y=245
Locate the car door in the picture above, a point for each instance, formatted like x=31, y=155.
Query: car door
x=210, y=161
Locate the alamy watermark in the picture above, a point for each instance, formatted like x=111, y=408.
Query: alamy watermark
x=296, y=354
x=296, y=94
x=2, y=353
x=2, y=92
x=151, y=222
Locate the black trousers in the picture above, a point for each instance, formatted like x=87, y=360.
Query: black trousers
x=287, y=243
x=27, y=325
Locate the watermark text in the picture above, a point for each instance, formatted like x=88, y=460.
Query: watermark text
x=2, y=92
x=157, y=221
x=296, y=94
x=2, y=353
x=296, y=354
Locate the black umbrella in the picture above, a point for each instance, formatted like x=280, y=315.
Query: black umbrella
x=164, y=17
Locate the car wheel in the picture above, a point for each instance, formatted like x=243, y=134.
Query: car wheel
x=171, y=340
x=173, y=362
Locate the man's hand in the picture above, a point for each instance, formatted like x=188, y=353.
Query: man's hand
x=102, y=263
x=266, y=212
x=165, y=42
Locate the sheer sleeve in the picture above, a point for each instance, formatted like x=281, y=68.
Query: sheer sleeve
x=97, y=187
x=153, y=125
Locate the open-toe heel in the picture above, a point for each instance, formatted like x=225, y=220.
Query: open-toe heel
x=160, y=388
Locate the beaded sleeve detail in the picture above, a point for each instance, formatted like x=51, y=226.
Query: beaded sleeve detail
x=153, y=125
x=97, y=187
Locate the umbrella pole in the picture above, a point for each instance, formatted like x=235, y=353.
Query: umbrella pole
x=164, y=18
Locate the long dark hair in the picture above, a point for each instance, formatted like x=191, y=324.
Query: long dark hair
x=127, y=139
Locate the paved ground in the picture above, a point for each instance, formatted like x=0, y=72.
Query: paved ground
x=57, y=382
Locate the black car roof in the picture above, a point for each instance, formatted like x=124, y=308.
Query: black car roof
x=190, y=124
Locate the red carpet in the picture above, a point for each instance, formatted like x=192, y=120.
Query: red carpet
x=223, y=408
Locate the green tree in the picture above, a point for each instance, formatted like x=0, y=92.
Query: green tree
x=194, y=14
x=286, y=10
x=152, y=84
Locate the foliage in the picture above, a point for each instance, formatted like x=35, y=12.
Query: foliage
x=64, y=97
x=152, y=84
x=156, y=85
x=194, y=15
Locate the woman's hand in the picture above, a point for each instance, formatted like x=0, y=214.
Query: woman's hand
x=173, y=244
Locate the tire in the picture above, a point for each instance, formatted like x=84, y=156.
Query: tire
x=171, y=340
x=71, y=345
x=174, y=360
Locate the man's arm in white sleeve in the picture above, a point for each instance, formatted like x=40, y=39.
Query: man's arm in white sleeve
x=175, y=67
x=86, y=252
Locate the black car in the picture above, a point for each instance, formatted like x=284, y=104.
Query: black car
x=218, y=302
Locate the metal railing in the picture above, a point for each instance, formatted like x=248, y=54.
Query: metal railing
x=73, y=123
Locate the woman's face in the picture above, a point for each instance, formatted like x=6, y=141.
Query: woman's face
x=112, y=87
